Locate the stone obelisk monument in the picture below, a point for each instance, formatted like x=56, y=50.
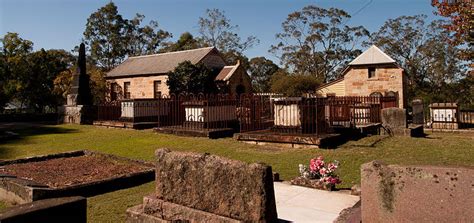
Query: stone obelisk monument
x=79, y=108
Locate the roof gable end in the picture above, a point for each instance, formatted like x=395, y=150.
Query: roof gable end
x=373, y=55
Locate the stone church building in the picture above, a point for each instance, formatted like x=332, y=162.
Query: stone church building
x=373, y=73
x=144, y=77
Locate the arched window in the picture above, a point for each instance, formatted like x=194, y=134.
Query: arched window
x=391, y=94
x=376, y=94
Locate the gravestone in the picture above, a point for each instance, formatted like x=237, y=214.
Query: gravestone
x=418, y=116
x=394, y=122
x=392, y=193
x=194, y=187
x=394, y=118
x=79, y=108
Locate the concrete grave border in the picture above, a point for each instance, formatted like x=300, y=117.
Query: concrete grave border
x=66, y=209
x=16, y=190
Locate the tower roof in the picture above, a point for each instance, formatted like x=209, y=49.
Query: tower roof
x=373, y=55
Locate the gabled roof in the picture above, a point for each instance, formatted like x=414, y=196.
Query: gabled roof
x=373, y=55
x=227, y=72
x=158, y=63
x=330, y=83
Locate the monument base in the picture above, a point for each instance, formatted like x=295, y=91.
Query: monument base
x=77, y=114
x=154, y=210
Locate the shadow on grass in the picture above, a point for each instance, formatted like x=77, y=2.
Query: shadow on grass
x=33, y=130
x=23, y=131
x=346, y=136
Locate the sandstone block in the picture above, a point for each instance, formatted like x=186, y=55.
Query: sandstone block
x=416, y=193
x=217, y=185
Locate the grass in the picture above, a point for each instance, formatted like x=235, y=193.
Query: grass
x=435, y=149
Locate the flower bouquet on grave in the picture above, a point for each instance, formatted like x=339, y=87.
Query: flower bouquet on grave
x=320, y=175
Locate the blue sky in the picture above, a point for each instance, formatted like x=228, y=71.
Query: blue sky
x=58, y=24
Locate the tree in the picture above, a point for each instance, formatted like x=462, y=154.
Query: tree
x=293, y=85
x=144, y=40
x=420, y=48
x=316, y=41
x=44, y=66
x=261, y=71
x=14, y=70
x=232, y=57
x=111, y=37
x=460, y=15
x=104, y=34
x=99, y=88
x=185, y=42
x=216, y=30
x=28, y=77
x=460, y=25
x=4, y=98
x=191, y=78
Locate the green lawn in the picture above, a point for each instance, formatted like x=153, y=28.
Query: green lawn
x=435, y=149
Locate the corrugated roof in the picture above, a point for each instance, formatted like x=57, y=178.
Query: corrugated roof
x=158, y=63
x=373, y=55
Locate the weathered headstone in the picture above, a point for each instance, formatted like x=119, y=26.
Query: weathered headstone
x=79, y=107
x=206, y=188
x=416, y=193
x=418, y=116
x=394, y=117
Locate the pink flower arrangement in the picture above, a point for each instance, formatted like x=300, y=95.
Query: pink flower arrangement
x=325, y=172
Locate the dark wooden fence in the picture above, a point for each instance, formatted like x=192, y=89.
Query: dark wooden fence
x=109, y=111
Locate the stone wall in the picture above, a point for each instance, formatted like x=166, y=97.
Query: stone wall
x=358, y=83
x=416, y=193
x=142, y=87
x=77, y=114
x=213, y=60
x=240, y=77
x=66, y=209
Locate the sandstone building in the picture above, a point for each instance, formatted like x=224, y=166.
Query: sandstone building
x=373, y=73
x=144, y=77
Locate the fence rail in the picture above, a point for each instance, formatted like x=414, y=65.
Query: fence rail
x=109, y=111
x=249, y=112
x=352, y=111
x=447, y=116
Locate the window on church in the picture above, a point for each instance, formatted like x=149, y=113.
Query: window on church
x=126, y=90
x=376, y=94
x=371, y=72
x=157, y=89
x=114, y=90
